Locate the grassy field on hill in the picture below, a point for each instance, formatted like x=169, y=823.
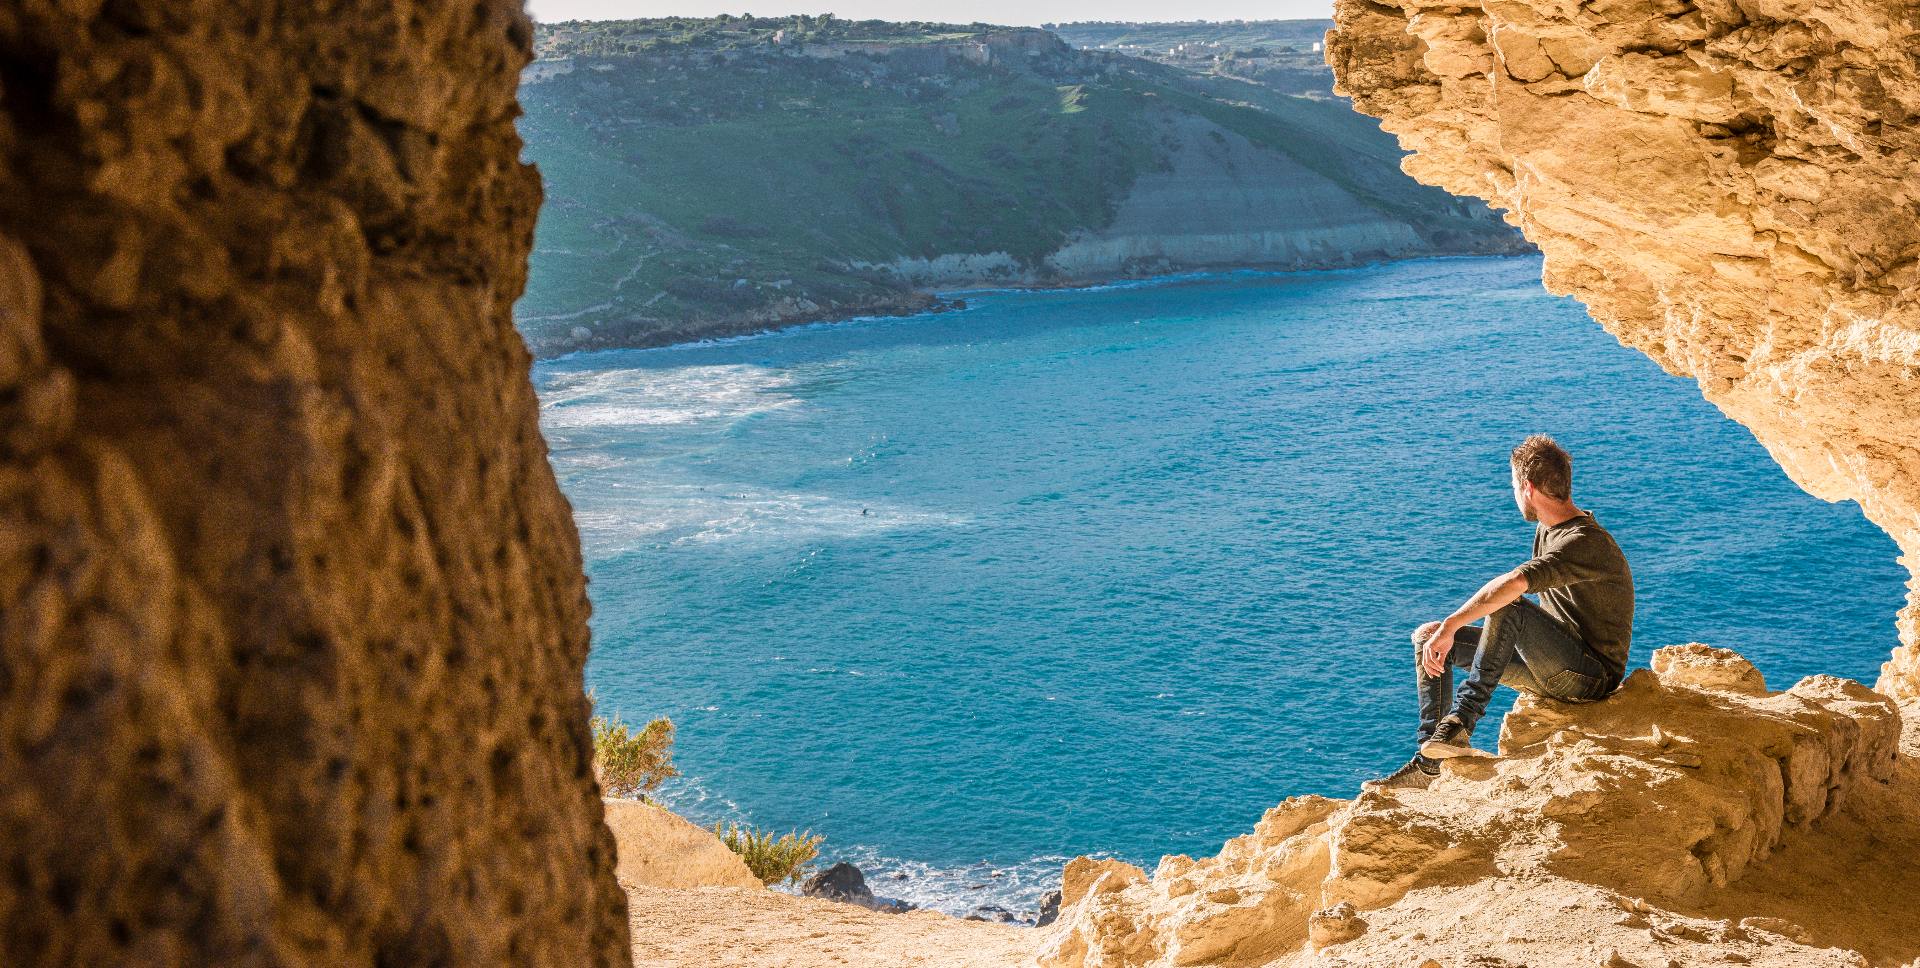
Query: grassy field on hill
x=707, y=176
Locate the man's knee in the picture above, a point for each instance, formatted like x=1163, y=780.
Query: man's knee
x=1423, y=633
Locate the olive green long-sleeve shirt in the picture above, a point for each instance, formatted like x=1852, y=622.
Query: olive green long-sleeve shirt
x=1583, y=581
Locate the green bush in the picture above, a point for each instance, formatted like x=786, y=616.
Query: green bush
x=772, y=859
x=628, y=763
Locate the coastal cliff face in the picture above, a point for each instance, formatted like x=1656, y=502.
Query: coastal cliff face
x=1223, y=202
x=1729, y=185
x=292, y=618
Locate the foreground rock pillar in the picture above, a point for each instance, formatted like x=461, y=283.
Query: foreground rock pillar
x=291, y=609
x=1729, y=185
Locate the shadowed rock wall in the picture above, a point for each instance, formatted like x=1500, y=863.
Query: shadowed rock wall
x=292, y=617
x=1729, y=185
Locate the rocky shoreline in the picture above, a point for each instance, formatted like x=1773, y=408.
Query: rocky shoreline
x=950, y=296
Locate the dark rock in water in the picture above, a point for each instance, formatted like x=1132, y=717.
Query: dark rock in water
x=1049, y=909
x=994, y=912
x=841, y=882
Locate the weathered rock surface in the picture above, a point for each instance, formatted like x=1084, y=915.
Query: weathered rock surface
x=1729, y=185
x=1668, y=791
x=659, y=848
x=840, y=882
x=845, y=883
x=291, y=610
x=1049, y=909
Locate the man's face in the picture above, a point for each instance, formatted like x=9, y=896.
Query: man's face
x=1522, y=494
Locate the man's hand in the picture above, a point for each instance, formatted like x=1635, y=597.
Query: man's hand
x=1438, y=649
x=1434, y=640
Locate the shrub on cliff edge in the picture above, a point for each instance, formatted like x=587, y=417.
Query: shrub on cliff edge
x=630, y=764
x=772, y=859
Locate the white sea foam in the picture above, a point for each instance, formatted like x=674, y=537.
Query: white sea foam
x=636, y=397
x=961, y=890
x=626, y=498
x=621, y=516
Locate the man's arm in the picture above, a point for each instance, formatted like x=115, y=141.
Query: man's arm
x=1492, y=597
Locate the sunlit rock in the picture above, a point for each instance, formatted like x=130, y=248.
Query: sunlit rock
x=1671, y=788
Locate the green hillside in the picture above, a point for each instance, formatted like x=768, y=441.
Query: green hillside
x=714, y=176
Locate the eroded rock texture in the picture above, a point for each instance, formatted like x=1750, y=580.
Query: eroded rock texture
x=1607, y=817
x=1731, y=186
x=291, y=610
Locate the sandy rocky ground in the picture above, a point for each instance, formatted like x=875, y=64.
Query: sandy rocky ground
x=1575, y=849
x=731, y=927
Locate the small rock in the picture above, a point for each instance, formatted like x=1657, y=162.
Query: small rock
x=1633, y=904
x=1049, y=909
x=1613, y=959
x=1335, y=925
x=841, y=882
x=1684, y=932
x=1699, y=666
x=995, y=913
x=1784, y=928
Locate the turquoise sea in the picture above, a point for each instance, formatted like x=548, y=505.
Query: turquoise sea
x=1114, y=570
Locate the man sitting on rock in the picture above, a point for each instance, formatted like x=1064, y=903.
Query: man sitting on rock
x=1571, y=647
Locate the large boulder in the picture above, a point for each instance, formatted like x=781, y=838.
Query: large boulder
x=659, y=848
x=841, y=882
x=844, y=882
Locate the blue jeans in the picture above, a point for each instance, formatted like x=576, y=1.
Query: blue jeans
x=1521, y=646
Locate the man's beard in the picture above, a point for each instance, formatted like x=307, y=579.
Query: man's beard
x=1527, y=513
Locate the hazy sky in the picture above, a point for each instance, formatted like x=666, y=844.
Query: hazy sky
x=952, y=11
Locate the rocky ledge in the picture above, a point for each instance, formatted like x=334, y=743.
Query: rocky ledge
x=1610, y=833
